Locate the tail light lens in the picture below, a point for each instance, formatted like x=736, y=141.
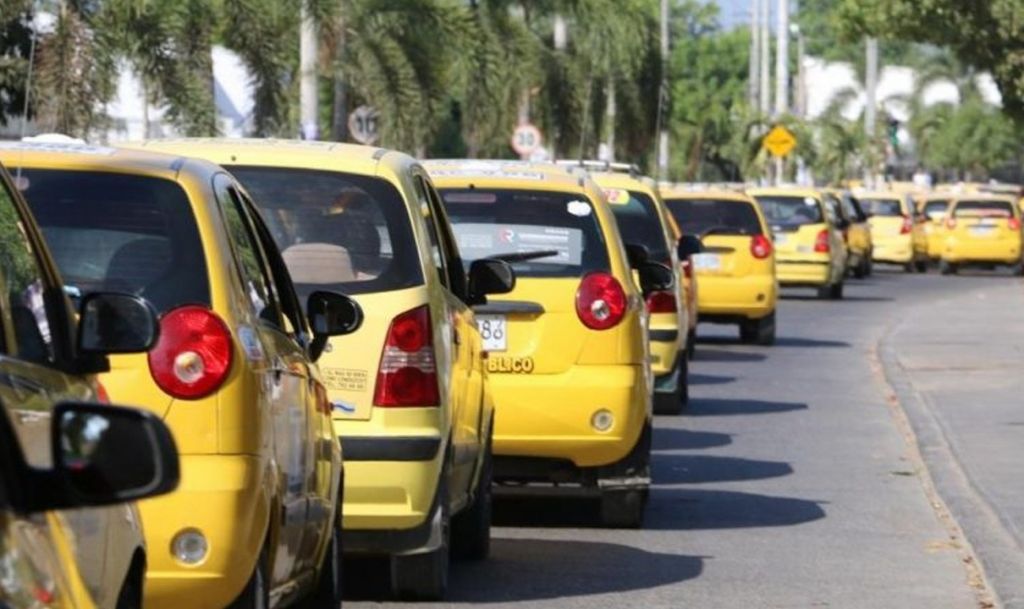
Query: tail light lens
x=951, y=223
x=193, y=355
x=821, y=244
x=661, y=302
x=600, y=301
x=908, y=225
x=407, y=375
x=1013, y=224
x=761, y=246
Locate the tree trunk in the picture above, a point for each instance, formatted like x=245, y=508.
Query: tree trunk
x=610, y=114
x=308, y=106
x=339, y=109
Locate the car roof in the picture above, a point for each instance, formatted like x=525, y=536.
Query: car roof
x=298, y=154
x=517, y=175
x=784, y=191
x=884, y=195
x=680, y=191
x=625, y=181
x=984, y=196
x=88, y=157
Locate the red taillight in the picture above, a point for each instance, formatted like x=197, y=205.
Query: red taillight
x=1013, y=224
x=407, y=375
x=908, y=225
x=193, y=355
x=761, y=246
x=600, y=301
x=951, y=223
x=821, y=244
x=101, y=393
x=661, y=302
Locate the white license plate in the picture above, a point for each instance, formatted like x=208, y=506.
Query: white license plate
x=779, y=238
x=493, y=332
x=706, y=262
x=982, y=231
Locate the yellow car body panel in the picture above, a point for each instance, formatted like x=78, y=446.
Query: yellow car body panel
x=859, y=243
x=567, y=373
x=934, y=209
x=977, y=235
x=246, y=465
x=897, y=231
x=386, y=490
x=797, y=262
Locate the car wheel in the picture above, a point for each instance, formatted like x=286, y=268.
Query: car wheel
x=130, y=596
x=328, y=592
x=908, y=267
x=256, y=594
x=1018, y=269
x=835, y=291
x=858, y=271
x=766, y=330
x=921, y=266
x=471, y=530
x=691, y=344
x=869, y=266
x=623, y=508
x=674, y=402
x=825, y=292
x=947, y=268
x=424, y=576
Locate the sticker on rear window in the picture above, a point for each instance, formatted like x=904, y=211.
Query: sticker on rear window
x=810, y=201
x=580, y=209
x=617, y=196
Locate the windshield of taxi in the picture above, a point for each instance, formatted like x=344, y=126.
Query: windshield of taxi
x=935, y=209
x=888, y=208
x=563, y=226
x=337, y=231
x=639, y=222
x=791, y=210
x=983, y=209
x=714, y=216
x=120, y=233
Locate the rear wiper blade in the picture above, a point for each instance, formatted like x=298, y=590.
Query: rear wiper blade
x=524, y=256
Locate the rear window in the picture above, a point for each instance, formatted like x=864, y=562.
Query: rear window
x=983, y=209
x=791, y=210
x=935, y=209
x=720, y=217
x=120, y=233
x=561, y=228
x=337, y=231
x=883, y=207
x=639, y=222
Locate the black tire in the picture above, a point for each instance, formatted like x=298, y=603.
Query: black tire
x=759, y=331
x=908, y=267
x=130, y=596
x=947, y=268
x=424, y=576
x=869, y=266
x=328, y=591
x=674, y=402
x=471, y=529
x=623, y=508
x=859, y=271
x=1018, y=269
x=921, y=266
x=256, y=594
x=835, y=291
x=691, y=344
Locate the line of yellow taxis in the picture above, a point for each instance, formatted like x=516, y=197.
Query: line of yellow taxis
x=337, y=350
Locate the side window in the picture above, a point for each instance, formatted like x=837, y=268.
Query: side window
x=457, y=281
x=24, y=286
x=248, y=258
x=436, y=245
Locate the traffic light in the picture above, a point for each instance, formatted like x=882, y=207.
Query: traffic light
x=893, y=131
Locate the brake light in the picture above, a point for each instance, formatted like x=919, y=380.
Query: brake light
x=600, y=301
x=908, y=225
x=193, y=355
x=1013, y=224
x=661, y=302
x=407, y=375
x=761, y=246
x=951, y=223
x=101, y=393
x=821, y=244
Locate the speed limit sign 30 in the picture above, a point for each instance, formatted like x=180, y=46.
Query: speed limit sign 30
x=526, y=139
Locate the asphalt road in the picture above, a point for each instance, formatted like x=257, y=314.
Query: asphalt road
x=834, y=469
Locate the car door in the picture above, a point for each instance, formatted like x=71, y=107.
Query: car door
x=280, y=366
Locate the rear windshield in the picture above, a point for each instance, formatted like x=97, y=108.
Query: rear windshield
x=720, y=217
x=639, y=222
x=560, y=227
x=791, y=210
x=983, y=209
x=883, y=207
x=338, y=231
x=935, y=209
x=120, y=233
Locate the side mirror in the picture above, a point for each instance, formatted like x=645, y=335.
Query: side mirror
x=688, y=246
x=842, y=223
x=637, y=255
x=331, y=314
x=104, y=455
x=488, y=276
x=116, y=323
x=655, y=277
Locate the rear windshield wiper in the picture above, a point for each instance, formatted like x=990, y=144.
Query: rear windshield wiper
x=721, y=230
x=524, y=256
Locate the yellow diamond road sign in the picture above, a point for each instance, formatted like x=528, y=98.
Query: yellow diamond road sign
x=779, y=141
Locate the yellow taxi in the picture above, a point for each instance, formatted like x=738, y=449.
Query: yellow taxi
x=897, y=231
x=232, y=374
x=643, y=221
x=857, y=231
x=568, y=354
x=933, y=208
x=411, y=405
x=79, y=544
x=982, y=230
x=736, y=268
x=807, y=239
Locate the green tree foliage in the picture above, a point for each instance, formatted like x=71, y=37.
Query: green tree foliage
x=15, y=42
x=971, y=139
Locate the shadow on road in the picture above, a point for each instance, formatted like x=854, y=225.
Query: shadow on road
x=709, y=379
x=795, y=341
x=688, y=509
x=692, y=469
x=716, y=407
x=718, y=355
x=684, y=439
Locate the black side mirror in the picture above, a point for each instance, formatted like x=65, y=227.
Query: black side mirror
x=688, y=246
x=842, y=223
x=116, y=323
x=104, y=455
x=637, y=255
x=489, y=276
x=655, y=277
x=331, y=314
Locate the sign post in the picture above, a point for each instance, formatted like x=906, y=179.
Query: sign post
x=779, y=142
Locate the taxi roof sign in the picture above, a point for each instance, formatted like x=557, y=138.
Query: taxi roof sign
x=779, y=141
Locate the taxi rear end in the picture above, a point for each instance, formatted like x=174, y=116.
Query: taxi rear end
x=982, y=230
x=642, y=221
x=809, y=250
x=897, y=235
x=569, y=374
x=736, y=270
x=934, y=209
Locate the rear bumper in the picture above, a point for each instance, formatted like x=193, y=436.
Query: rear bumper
x=1003, y=251
x=894, y=251
x=550, y=415
x=804, y=273
x=753, y=296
